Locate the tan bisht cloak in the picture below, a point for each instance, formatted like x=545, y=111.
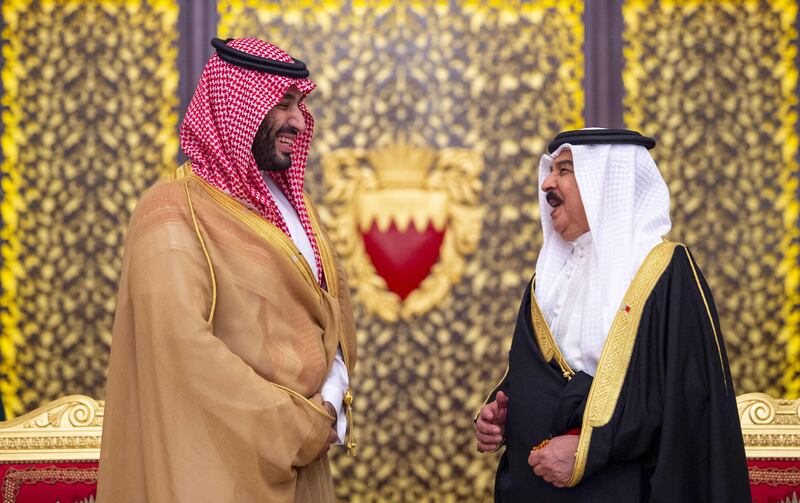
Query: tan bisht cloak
x=221, y=344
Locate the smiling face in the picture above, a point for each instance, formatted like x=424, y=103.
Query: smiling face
x=564, y=198
x=272, y=145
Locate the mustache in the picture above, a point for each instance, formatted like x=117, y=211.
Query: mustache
x=287, y=130
x=552, y=198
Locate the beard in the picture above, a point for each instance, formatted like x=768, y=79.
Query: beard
x=266, y=155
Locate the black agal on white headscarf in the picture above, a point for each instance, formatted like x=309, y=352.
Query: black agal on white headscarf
x=627, y=206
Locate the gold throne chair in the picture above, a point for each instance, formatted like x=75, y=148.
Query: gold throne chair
x=771, y=432
x=51, y=454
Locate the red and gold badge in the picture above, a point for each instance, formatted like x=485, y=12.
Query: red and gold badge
x=403, y=219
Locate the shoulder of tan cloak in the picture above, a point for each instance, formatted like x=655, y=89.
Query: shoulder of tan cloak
x=164, y=195
x=167, y=196
x=182, y=171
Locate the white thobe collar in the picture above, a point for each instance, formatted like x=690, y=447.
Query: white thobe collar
x=296, y=230
x=564, y=309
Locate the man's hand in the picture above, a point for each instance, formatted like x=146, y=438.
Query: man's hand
x=555, y=461
x=333, y=437
x=331, y=409
x=491, y=423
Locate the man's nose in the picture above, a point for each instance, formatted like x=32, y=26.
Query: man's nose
x=549, y=182
x=297, y=120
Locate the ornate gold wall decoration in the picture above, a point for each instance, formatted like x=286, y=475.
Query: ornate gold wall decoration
x=491, y=78
x=89, y=121
x=715, y=83
x=418, y=208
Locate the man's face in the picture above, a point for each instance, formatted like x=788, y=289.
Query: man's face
x=272, y=145
x=569, y=217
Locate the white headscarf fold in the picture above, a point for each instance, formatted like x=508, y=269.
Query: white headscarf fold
x=627, y=206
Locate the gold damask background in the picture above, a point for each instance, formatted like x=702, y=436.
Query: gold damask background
x=89, y=120
x=89, y=116
x=499, y=81
x=716, y=84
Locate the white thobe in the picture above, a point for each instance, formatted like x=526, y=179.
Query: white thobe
x=563, y=309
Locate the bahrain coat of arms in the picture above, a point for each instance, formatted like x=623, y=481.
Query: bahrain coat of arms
x=403, y=220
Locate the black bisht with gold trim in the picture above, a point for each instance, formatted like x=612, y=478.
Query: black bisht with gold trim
x=658, y=420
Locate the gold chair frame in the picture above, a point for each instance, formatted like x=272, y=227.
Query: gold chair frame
x=771, y=430
x=770, y=426
x=67, y=429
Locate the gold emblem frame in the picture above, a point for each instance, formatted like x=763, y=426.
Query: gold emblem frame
x=403, y=184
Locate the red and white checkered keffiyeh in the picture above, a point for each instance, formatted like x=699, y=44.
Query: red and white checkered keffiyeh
x=217, y=133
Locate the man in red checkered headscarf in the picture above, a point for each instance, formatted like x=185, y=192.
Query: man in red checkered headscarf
x=234, y=337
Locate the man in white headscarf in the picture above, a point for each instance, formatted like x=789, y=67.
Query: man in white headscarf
x=618, y=387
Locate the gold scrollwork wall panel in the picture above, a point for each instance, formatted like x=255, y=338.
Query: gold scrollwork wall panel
x=472, y=80
x=89, y=121
x=715, y=83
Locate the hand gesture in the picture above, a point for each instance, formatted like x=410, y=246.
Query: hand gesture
x=555, y=461
x=491, y=423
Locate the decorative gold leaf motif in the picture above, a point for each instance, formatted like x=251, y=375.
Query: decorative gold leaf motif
x=90, y=97
x=715, y=83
